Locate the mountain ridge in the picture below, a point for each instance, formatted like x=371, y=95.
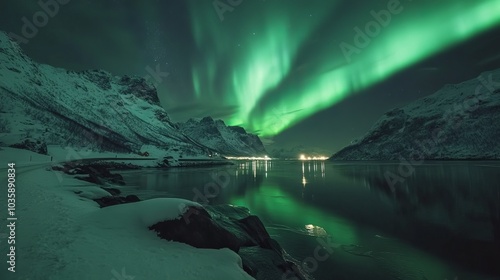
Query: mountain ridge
x=459, y=121
x=89, y=109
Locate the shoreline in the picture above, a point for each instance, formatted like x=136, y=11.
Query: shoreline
x=250, y=226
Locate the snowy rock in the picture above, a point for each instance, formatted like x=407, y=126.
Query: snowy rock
x=91, y=192
x=30, y=145
x=263, y=258
x=97, y=173
x=115, y=200
x=197, y=229
x=457, y=122
x=255, y=229
x=224, y=226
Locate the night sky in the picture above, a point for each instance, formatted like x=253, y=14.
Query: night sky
x=294, y=72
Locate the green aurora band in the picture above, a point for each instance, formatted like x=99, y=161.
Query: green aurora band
x=281, y=64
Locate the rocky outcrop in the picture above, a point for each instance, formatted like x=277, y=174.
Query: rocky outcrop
x=197, y=229
x=96, y=172
x=115, y=200
x=99, y=173
x=231, y=227
x=32, y=145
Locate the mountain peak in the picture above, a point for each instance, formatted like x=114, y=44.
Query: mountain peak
x=459, y=121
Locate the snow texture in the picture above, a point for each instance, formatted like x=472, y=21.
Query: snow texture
x=60, y=235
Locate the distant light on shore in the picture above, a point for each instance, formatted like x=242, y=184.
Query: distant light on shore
x=250, y=158
x=304, y=157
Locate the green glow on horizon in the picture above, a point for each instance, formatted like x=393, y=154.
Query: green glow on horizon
x=261, y=78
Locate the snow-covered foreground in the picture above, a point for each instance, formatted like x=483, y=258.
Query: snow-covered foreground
x=60, y=235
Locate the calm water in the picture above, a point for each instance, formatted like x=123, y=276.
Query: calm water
x=438, y=221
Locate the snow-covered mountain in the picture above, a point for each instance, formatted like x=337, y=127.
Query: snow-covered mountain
x=459, y=121
x=42, y=105
x=227, y=140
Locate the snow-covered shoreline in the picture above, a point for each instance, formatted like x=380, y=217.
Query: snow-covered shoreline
x=61, y=235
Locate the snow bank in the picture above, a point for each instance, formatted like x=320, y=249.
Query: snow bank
x=60, y=235
x=144, y=213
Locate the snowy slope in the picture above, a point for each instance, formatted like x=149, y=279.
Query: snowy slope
x=62, y=236
x=227, y=140
x=42, y=105
x=459, y=121
x=90, y=109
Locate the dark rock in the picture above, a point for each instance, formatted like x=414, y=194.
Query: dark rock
x=227, y=216
x=14, y=69
x=115, y=200
x=58, y=168
x=141, y=88
x=272, y=244
x=91, y=178
x=268, y=265
x=98, y=173
x=31, y=145
x=132, y=198
x=237, y=129
x=79, y=171
x=198, y=230
x=116, y=179
x=162, y=116
x=101, y=78
x=263, y=258
x=254, y=227
x=207, y=120
x=109, y=201
x=112, y=191
x=249, y=267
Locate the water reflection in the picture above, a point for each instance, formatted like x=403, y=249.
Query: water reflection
x=318, y=169
x=452, y=209
x=463, y=193
x=441, y=213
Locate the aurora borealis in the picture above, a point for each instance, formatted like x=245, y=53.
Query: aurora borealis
x=267, y=72
x=271, y=65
